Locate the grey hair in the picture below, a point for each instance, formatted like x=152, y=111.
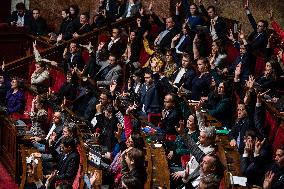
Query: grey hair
x=210, y=132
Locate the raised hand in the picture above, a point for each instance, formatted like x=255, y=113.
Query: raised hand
x=112, y=86
x=268, y=180
x=238, y=70
x=250, y=82
x=247, y=5
x=34, y=45
x=59, y=38
x=180, y=129
x=138, y=21
x=258, y=145
x=248, y=146
x=90, y=47
x=141, y=11
x=118, y=132
x=150, y=7
x=231, y=36
x=101, y=45
x=178, y=4
x=176, y=37
x=241, y=35
x=3, y=66
x=145, y=34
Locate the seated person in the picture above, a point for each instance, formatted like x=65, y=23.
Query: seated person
x=242, y=124
x=204, y=146
x=110, y=71
x=68, y=163
x=21, y=17
x=201, y=83
x=207, y=163
x=106, y=122
x=38, y=117
x=40, y=79
x=57, y=127
x=71, y=59
x=135, y=163
x=15, y=100
x=37, y=26
x=116, y=45
x=83, y=27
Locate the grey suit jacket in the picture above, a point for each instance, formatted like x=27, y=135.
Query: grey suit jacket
x=114, y=74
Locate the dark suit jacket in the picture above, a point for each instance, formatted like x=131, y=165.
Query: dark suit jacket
x=27, y=17
x=117, y=48
x=252, y=167
x=38, y=27
x=239, y=129
x=186, y=79
x=186, y=45
x=67, y=168
x=167, y=39
x=170, y=121
x=220, y=26
x=77, y=60
x=134, y=9
x=151, y=98
x=256, y=43
x=245, y=61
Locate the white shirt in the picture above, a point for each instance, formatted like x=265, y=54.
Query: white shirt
x=129, y=10
x=20, y=21
x=213, y=31
x=137, y=88
x=179, y=43
x=162, y=35
x=112, y=42
x=179, y=75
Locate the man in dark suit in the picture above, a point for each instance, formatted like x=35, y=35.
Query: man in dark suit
x=38, y=24
x=255, y=150
x=170, y=115
x=110, y=7
x=258, y=39
x=184, y=75
x=217, y=26
x=116, y=45
x=150, y=94
x=71, y=59
x=68, y=163
x=57, y=127
x=168, y=32
x=21, y=17
x=132, y=8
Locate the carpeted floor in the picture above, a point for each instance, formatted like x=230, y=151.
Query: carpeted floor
x=6, y=181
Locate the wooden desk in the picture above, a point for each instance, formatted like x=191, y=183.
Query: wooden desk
x=26, y=178
x=230, y=158
x=9, y=146
x=160, y=170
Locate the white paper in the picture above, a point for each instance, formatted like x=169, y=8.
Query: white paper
x=242, y=181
